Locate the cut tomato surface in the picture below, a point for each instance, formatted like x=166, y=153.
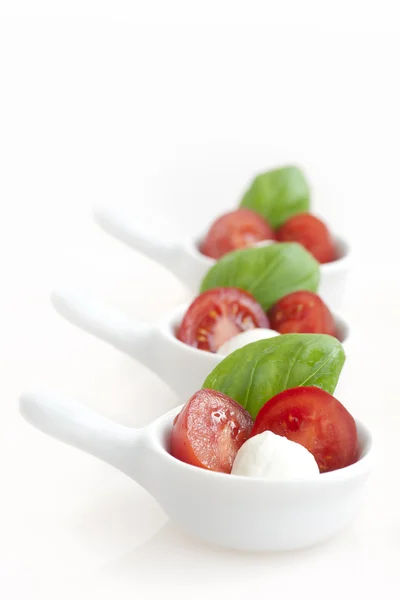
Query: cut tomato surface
x=234, y=230
x=217, y=315
x=302, y=312
x=209, y=431
x=316, y=420
x=312, y=233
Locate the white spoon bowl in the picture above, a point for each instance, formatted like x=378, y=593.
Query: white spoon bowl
x=182, y=367
x=183, y=258
x=231, y=511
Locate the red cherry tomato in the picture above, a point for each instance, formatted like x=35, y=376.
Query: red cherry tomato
x=302, y=312
x=311, y=233
x=237, y=229
x=209, y=431
x=219, y=314
x=314, y=419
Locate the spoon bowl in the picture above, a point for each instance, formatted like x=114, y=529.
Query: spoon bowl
x=237, y=512
x=182, y=367
x=183, y=258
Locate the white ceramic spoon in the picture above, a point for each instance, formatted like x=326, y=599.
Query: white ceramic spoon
x=233, y=511
x=183, y=258
x=182, y=367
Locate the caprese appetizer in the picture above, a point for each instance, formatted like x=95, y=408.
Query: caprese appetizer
x=224, y=319
x=267, y=410
x=276, y=208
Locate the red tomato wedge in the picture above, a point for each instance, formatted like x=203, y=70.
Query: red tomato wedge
x=237, y=229
x=311, y=233
x=209, y=431
x=314, y=419
x=217, y=315
x=302, y=312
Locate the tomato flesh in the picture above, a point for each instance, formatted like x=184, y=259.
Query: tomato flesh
x=209, y=431
x=233, y=230
x=302, y=312
x=312, y=233
x=316, y=420
x=219, y=314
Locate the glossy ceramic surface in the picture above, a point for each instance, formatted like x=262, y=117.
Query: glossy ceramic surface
x=182, y=367
x=183, y=258
x=231, y=511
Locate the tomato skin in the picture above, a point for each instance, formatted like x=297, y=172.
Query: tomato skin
x=312, y=233
x=209, y=431
x=216, y=315
x=302, y=312
x=316, y=420
x=233, y=230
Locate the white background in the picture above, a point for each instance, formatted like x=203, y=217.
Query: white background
x=170, y=113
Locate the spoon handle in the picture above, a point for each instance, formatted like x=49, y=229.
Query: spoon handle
x=179, y=257
x=97, y=318
x=137, y=235
x=176, y=364
x=74, y=424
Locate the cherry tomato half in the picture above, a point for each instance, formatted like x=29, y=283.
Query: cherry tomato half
x=209, y=431
x=302, y=312
x=314, y=419
x=219, y=314
x=311, y=233
x=237, y=229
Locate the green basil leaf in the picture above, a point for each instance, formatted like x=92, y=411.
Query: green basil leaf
x=267, y=272
x=257, y=372
x=278, y=195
